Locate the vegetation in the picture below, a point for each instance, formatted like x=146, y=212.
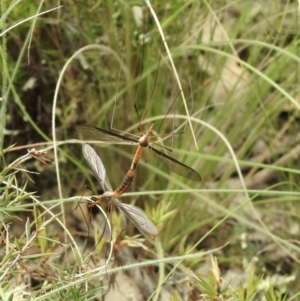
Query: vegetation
x=233, y=236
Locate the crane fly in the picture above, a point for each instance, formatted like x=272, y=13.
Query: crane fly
x=136, y=215
x=172, y=164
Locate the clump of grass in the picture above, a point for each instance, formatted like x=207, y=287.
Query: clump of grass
x=236, y=62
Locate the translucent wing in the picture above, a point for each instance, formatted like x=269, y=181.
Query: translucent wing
x=94, y=133
x=137, y=216
x=95, y=164
x=178, y=167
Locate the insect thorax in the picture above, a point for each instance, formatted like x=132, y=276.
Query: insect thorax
x=144, y=141
x=107, y=194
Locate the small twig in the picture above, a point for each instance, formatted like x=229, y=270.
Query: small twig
x=39, y=155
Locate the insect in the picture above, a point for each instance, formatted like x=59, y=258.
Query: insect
x=136, y=215
x=172, y=164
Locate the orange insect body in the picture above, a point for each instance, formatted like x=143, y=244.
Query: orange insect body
x=128, y=178
x=136, y=215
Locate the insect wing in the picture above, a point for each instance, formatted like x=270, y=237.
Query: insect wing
x=95, y=164
x=94, y=133
x=178, y=167
x=138, y=217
